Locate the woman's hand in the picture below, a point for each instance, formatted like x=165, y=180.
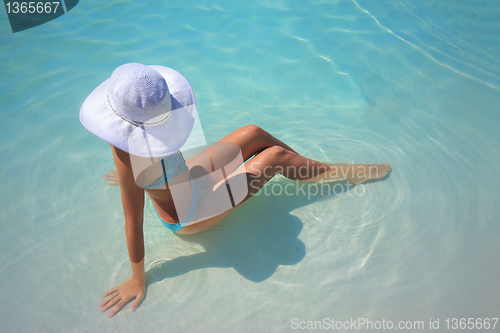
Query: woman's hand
x=113, y=177
x=119, y=296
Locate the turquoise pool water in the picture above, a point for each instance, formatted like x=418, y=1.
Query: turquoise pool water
x=413, y=83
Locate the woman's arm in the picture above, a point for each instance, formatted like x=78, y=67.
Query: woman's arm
x=132, y=197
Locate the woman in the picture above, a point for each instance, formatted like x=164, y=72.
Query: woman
x=146, y=114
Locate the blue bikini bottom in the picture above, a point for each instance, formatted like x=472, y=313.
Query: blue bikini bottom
x=198, y=193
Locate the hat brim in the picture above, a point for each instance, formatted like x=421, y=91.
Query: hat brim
x=98, y=118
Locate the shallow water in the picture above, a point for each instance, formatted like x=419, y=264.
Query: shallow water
x=413, y=83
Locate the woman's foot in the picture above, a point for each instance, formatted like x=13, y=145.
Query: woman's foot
x=362, y=172
x=113, y=177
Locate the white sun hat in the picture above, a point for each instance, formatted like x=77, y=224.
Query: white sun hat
x=147, y=111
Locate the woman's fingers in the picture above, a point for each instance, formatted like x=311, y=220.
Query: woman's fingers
x=117, y=300
x=110, y=302
x=110, y=294
x=116, y=308
x=137, y=301
x=112, y=176
x=110, y=291
x=119, y=296
x=107, y=300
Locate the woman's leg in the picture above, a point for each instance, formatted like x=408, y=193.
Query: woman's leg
x=248, y=140
x=293, y=166
x=277, y=159
x=252, y=139
x=274, y=156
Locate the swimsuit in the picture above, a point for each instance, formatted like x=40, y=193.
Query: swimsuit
x=173, y=165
